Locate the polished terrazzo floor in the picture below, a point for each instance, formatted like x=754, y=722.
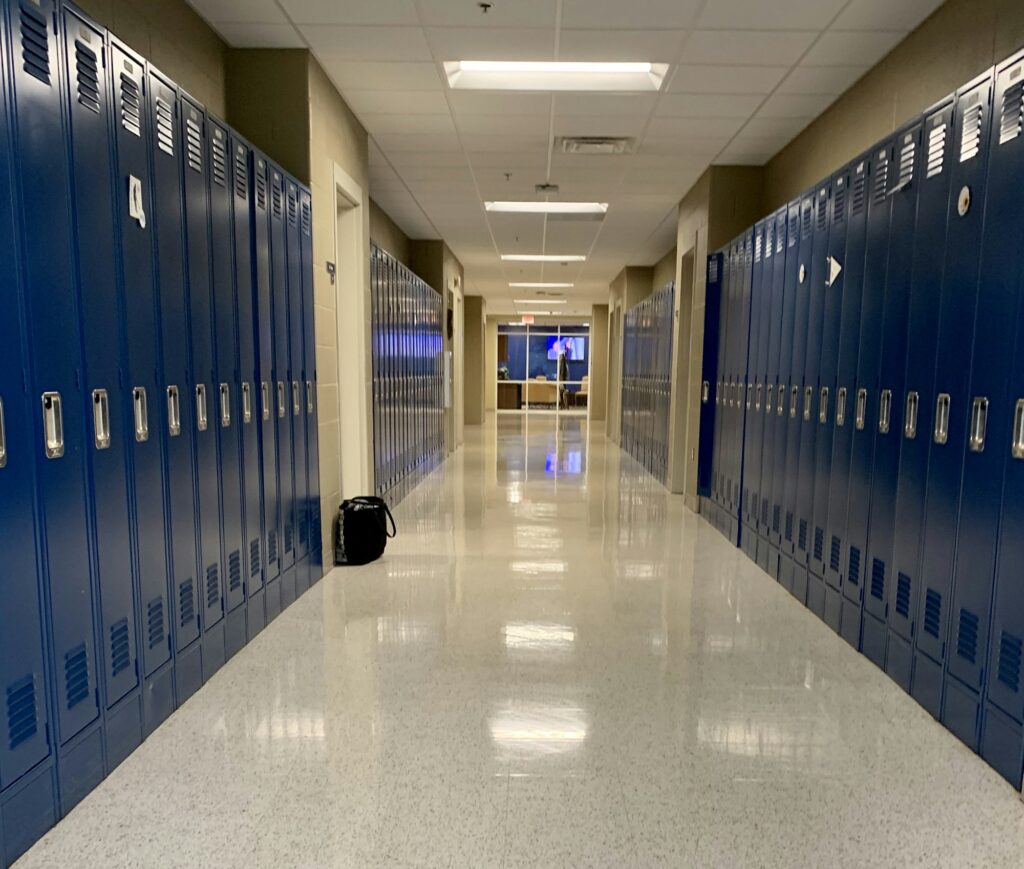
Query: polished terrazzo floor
x=554, y=665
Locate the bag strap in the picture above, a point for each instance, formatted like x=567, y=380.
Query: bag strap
x=374, y=501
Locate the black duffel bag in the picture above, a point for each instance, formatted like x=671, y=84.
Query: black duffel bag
x=362, y=530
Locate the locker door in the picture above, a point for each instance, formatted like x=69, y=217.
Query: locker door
x=104, y=402
x=225, y=399
x=316, y=561
x=260, y=209
x=754, y=419
x=24, y=731
x=721, y=386
x=996, y=337
x=176, y=411
x=957, y=305
x=905, y=176
x=742, y=351
x=197, y=166
x=796, y=406
x=375, y=361
x=709, y=374
x=248, y=402
x=56, y=391
x=132, y=136
x=1001, y=739
x=846, y=373
x=926, y=283
x=297, y=365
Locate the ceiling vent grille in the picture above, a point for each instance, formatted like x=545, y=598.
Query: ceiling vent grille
x=604, y=146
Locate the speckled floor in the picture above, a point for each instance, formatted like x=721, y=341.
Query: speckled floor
x=555, y=665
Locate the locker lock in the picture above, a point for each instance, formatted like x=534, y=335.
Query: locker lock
x=803, y=273
x=963, y=202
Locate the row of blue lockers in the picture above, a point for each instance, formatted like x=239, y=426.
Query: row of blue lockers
x=408, y=376
x=159, y=481
x=863, y=406
x=647, y=380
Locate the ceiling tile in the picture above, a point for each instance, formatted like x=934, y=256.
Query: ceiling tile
x=535, y=125
x=349, y=12
x=365, y=102
x=654, y=46
x=595, y=125
x=690, y=128
x=852, y=48
x=685, y=154
x=350, y=75
x=832, y=80
x=746, y=46
x=726, y=79
x=605, y=104
x=477, y=142
x=486, y=103
x=367, y=43
x=708, y=105
x=378, y=124
x=239, y=35
x=807, y=106
x=517, y=13
x=249, y=11
x=511, y=160
x=394, y=142
x=774, y=126
x=475, y=43
x=636, y=13
x=885, y=15
x=794, y=14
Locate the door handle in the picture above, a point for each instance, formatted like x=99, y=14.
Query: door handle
x=246, y=403
x=225, y=406
x=979, y=423
x=173, y=411
x=101, y=418
x=3, y=437
x=941, y=434
x=296, y=399
x=201, y=421
x=53, y=425
x=309, y=397
x=280, y=399
x=885, y=411
x=140, y=408
x=265, y=398
x=841, y=407
x=910, y=424
x=1016, y=449
x=862, y=409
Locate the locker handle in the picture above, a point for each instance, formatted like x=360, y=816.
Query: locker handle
x=201, y=421
x=265, y=398
x=794, y=396
x=769, y=399
x=309, y=397
x=225, y=406
x=3, y=437
x=53, y=425
x=246, y=403
x=841, y=407
x=862, y=409
x=979, y=422
x=750, y=395
x=757, y=399
x=101, y=418
x=823, y=405
x=296, y=399
x=941, y=434
x=808, y=401
x=781, y=408
x=910, y=425
x=885, y=411
x=718, y=393
x=141, y=412
x=173, y=411
x=280, y=399
x=1016, y=450
x=705, y=392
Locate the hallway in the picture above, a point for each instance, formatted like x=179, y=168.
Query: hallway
x=555, y=664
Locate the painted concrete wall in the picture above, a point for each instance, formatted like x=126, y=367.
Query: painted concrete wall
x=475, y=354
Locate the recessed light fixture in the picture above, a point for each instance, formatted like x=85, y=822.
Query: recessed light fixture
x=543, y=285
x=519, y=75
x=540, y=301
x=547, y=207
x=541, y=258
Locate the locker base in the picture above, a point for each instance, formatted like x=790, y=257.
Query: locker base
x=288, y=587
x=798, y=582
x=316, y=570
x=188, y=672
x=927, y=684
x=234, y=632
x=762, y=553
x=833, y=607
x=961, y=712
x=301, y=577
x=80, y=767
x=28, y=808
x=1002, y=744
x=214, y=655
x=816, y=595
x=899, y=661
x=255, y=616
x=748, y=542
x=122, y=730
x=849, y=623
x=874, y=637
x=157, y=699
x=733, y=529
x=272, y=599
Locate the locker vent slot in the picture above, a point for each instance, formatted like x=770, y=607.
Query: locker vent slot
x=780, y=227
x=241, y=176
x=293, y=208
x=903, y=595
x=936, y=150
x=261, y=190
x=713, y=270
x=794, y=225
x=22, y=723
x=970, y=133
x=802, y=536
x=303, y=528
x=881, y=182
x=822, y=210
x=764, y=512
x=769, y=239
x=165, y=126
x=1012, y=112
x=307, y=219
x=186, y=603
x=839, y=204
x=819, y=544
x=254, y=558
x=212, y=586
x=289, y=537
x=853, y=575
x=859, y=185
x=967, y=636
x=235, y=570
x=878, y=579
x=908, y=153
x=219, y=161
x=88, y=77
x=194, y=145
x=272, y=547
x=120, y=648
x=131, y=106
x=806, y=219
x=278, y=204
x=1009, y=661
x=789, y=527
x=932, y=612
x=76, y=676
x=155, y=622
x=35, y=46
x=776, y=518
x=758, y=245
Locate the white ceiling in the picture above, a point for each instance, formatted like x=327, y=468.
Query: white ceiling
x=745, y=77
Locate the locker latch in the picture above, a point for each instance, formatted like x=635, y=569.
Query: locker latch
x=841, y=407
x=3, y=437
x=136, y=209
x=246, y=403
x=979, y=422
x=101, y=418
x=141, y=413
x=201, y=420
x=173, y=411
x=862, y=409
x=53, y=425
x=942, y=418
x=910, y=425
x=280, y=400
x=1016, y=450
x=296, y=399
x=309, y=397
x=225, y=405
x=265, y=399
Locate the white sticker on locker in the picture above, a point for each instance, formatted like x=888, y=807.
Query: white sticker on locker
x=136, y=211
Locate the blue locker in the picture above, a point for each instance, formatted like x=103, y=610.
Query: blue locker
x=905, y=174
x=957, y=305
x=27, y=788
x=175, y=418
x=376, y=360
x=197, y=166
x=812, y=405
x=268, y=388
x=846, y=373
x=991, y=424
x=719, y=388
x=760, y=313
x=132, y=131
x=105, y=405
x=869, y=415
x=248, y=403
x=709, y=374
x=923, y=323
x=828, y=366
x=794, y=544
x=297, y=364
x=225, y=405
x=42, y=197
x=743, y=394
x=316, y=558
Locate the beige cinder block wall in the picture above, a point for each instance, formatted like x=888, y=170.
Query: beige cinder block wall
x=475, y=357
x=597, y=391
x=491, y=366
x=387, y=235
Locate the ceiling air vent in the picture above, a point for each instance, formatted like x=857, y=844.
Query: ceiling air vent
x=595, y=145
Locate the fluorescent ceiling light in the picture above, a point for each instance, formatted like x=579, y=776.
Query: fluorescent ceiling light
x=532, y=207
x=540, y=302
x=541, y=258
x=527, y=285
x=554, y=75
